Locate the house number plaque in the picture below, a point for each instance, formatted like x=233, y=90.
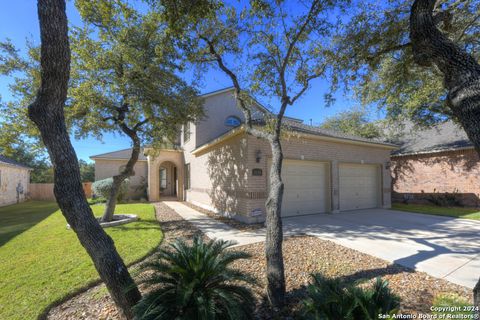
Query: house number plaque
x=257, y=172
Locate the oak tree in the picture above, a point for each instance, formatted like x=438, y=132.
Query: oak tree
x=125, y=78
x=47, y=112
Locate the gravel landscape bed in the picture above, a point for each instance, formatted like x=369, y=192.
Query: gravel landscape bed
x=303, y=255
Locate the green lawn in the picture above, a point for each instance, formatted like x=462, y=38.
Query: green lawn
x=457, y=212
x=41, y=261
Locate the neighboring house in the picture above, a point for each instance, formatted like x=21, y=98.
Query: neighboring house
x=221, y=168
x=435, y=162
x=14, y=181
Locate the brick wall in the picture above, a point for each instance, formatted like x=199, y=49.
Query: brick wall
x=316, y=149
x=222, y=178
x=417, y=176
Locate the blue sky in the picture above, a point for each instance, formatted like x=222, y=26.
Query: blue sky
x=18, y=22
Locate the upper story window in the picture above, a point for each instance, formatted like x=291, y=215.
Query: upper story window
x=186, y=132
x=232, y=121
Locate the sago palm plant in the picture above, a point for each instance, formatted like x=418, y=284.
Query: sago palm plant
x=196, y=281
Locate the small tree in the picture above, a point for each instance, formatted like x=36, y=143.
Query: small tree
x=47, y=112
x=283, y=47
x=124, y=78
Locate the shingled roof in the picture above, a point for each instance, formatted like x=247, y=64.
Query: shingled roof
x=11, y=162
x=304, y=128
x=442, y=137
x=119, y=155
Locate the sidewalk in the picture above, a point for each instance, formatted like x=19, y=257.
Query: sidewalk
x=215, y=229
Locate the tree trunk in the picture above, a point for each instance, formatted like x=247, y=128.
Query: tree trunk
x=118, y=180
x=48, y=114
x=461, y=74
x=128, y=171
x=274, y=237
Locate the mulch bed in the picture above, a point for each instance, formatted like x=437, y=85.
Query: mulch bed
x=303, y=255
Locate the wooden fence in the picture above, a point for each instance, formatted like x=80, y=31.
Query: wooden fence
x=44, y=191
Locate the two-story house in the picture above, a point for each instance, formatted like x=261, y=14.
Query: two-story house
x=220, y=167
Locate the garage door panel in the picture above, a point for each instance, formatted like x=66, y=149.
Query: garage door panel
x=305, y=190
x=359, y=186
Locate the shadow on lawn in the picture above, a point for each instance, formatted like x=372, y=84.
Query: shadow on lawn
x=17, y=218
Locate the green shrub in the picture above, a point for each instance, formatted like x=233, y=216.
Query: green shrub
x=196, y=282
x=101, y=188
x=376, y=300
x=333, y=299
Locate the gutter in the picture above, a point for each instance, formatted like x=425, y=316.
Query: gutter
x=230, y=134
x=432, y=151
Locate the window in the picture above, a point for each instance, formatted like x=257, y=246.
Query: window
x=187, y=176
x=163, y=179
x=232, y=121
x=186, y=132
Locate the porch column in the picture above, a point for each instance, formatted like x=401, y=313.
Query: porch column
x=153, y=179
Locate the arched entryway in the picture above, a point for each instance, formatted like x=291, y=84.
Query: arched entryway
x=165, y=175
x=168, y=175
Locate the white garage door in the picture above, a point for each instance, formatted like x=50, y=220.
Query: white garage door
x=306, y=187
x=359, y=186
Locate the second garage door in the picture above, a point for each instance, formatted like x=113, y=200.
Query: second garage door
x=306, y=187
x=359, y=186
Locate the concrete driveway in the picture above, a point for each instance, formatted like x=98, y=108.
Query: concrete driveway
x=442, y=247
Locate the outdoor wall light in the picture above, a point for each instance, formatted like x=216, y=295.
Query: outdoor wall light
x=258, y=156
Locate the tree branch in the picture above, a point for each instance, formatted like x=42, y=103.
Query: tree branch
x=238, y=91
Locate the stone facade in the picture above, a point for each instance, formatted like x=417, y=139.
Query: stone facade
x=10, y=178
x=415, y=178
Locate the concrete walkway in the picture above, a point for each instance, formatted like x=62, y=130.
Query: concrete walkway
x=440, y=246
x=443, y=247
x=215, y=229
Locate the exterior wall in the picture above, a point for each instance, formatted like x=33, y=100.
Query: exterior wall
x=222, y=177
x=416, y=177
x=217, y=108
x=315, y=150
x=107, y=168
x=10, y=177
x=219, y=177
